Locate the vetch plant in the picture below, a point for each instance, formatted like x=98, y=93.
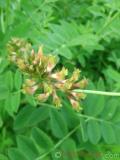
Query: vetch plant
x=37, y=118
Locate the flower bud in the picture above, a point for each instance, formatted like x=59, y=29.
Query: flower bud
x=56, y=100
x=40, y=53
x=42, y=97
x=60, y=86
x=51, y=63
x=75, y=104
x=68, y=85
x=60, y=75
x=48, y=88
x=29, y=90
x=75, y=75
x=13, y=57
x=21, y=64
x=30, y=82
x=78, y=96
x=81, y=84
x=33, y=53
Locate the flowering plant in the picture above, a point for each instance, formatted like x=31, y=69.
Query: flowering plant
x=40, y=77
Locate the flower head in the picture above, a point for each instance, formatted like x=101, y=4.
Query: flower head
x=40, y=79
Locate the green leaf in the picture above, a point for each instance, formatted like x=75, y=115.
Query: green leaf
x=18, y=79
x=8, y=104
x=110, y=109
x=3, y=64
x=94, y=132
x=38, y=115
x=1, y=122
x=99, y=102
x=116, y=117
x=84, y=40
x=117, y=133
x=9, y=80
x=64, y=51
x=83, y=129
x=108, y=133
x=27, y=147
x=96, y=10
x=15, y=101
x=94, y=104
x=30, y=116
x=3, y=92
x=113, y=74
x=30, y=99
x=15, y=154
x=12, y=103
x=23, y=117
x=99, y=105
x=42, y=139
x=69, y=115
x=58, y=124
x=69, y=150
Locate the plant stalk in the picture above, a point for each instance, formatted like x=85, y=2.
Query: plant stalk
x=97, y=92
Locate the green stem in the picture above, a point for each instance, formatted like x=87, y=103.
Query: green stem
x=59, y=143
x=104, y=93
x=97, y=92
x=2, y=21
x=92, y=118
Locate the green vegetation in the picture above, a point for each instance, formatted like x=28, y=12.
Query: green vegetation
x=76, y=35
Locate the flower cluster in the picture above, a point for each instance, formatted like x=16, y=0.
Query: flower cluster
x=41, y=80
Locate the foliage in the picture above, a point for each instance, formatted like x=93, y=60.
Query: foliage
x=83, y=34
